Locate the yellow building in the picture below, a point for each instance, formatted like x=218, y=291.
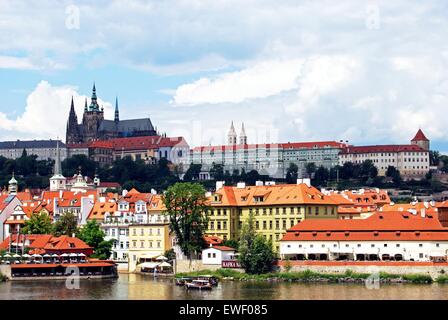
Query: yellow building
x=275, y=209
x=147, y=241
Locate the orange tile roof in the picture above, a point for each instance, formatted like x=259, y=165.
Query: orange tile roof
x=223, y=248
x=418, y=206
x=391, y=226
x=100, y=209
x=286, y=194
x=213, y=240
x=50, y=243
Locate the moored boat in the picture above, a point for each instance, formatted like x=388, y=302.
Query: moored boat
x=199, y=285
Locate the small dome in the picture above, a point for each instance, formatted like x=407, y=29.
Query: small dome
x=13, y=180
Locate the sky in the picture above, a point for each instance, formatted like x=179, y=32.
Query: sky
x=363, y=71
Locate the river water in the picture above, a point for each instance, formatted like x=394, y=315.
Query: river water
x=144, y=287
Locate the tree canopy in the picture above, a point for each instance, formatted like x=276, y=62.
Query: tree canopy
x=256, y=254
x=187, y=210
x=39, y=223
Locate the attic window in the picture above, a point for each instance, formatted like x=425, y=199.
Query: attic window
x=405, y=216
x=314, y=233
x=375, y=233
x=381, y=217
x=417, y=233
x=398, y=233
x=347, y=233
x=429, y=216
x=297, y=234
x=328, y=233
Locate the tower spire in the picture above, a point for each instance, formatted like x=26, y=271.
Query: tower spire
x=85, y=105
x=231, y=137
x=117, y=114
x=243, y=136
x=57, y=164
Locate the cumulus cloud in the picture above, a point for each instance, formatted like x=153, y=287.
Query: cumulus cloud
x=46, y=113
x=261, y=80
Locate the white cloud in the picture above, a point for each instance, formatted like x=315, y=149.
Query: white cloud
x=7, y=62
x=46, y=113
x=261, y=80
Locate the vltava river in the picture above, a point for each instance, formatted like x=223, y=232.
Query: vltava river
x=139, y=287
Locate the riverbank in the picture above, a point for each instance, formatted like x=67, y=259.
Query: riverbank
x=311, y=276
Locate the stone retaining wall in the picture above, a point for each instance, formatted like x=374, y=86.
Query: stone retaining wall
x=5, y=270
x=433, y=271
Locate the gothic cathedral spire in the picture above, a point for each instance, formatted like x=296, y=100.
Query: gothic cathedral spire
x=117, y=114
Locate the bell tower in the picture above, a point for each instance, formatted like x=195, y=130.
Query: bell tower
x=92, y=118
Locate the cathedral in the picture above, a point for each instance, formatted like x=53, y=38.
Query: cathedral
x=95, y=127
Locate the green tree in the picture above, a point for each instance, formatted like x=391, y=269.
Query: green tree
x=310, y=168
x=92, y=234
x=170, y=254
x=66, y=225
x=292, y=173
x=231, y=243
x=217, y=172
x=193, y=172
x=256, y=254
x=393, y=173
x=186, y=206
x=321, y=175
x=39, y=223
x=434, y=158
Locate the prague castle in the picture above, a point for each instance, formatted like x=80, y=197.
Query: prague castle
x=95, y=127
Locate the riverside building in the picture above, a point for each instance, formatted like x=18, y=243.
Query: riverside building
x=382, y=236
x=275, y=208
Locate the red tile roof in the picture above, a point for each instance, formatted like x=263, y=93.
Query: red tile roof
x=49, y=243
x=420, y=136
x=380, y=226
x=223, y=248
x=288, y=145
x=382, y=148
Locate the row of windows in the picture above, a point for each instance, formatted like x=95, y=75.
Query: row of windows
x=146, y=244
x=142, y=232
x=359, y=245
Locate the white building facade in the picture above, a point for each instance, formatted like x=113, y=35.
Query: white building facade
x=399, y=236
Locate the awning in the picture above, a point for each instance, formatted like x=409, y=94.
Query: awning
x=149, y=265
x=164, y=264
x=149, y=255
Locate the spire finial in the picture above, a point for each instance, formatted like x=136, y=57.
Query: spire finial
x=117, y=113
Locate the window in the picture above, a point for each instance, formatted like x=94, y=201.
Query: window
x=398, y=245
x=142, y=244
x=420, y=245
x=420, y=255
x=359, y=245
x=372, y=245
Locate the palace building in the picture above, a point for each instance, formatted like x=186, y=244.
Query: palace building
x=275, y=208
x=95, y=127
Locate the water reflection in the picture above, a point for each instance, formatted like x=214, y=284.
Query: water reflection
x=139, y=287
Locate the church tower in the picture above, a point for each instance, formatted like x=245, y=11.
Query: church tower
x=231, y=136
x=57, y=181
x=117, y=113
x=72, y=133
x=12, y=185
x=243, y=136
x=421, y=140
x=92, y=118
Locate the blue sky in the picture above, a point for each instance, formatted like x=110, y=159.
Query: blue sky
x=369, y=72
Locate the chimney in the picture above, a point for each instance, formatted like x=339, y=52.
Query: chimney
x=423, y=212
x=307, y=181
x=220, y=185
x=241, y=185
